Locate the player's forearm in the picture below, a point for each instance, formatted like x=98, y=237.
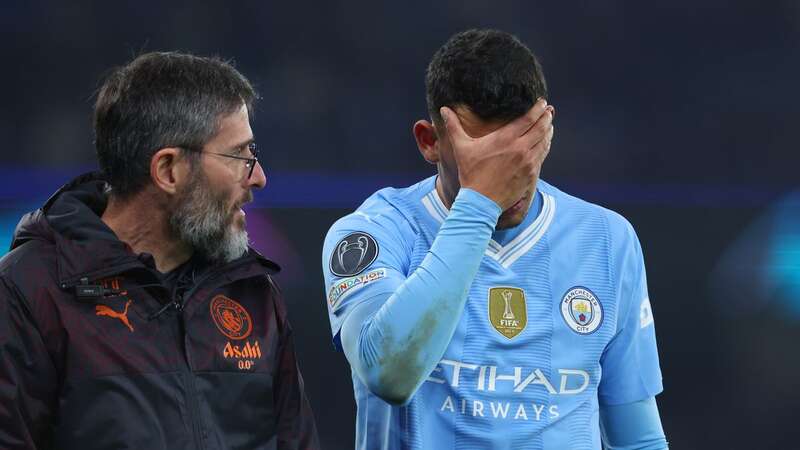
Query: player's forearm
x=633, y=426
x=395, y=346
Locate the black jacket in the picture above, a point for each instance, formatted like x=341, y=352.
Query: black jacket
x=96, y=352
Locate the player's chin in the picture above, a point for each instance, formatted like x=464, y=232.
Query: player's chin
x=511, y=218
x=514, y=215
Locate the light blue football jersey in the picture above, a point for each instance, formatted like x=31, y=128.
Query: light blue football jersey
x=557, y=322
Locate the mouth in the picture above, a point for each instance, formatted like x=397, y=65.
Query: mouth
x=238, y=211
x=238, y=208
x=516, y=207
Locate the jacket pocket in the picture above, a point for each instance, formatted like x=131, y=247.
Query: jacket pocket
x=238, y=409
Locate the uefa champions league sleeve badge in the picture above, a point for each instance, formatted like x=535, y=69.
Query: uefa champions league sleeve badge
x=581, y=310
x=354, y=253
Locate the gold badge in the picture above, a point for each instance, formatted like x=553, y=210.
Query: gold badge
x=508, y=311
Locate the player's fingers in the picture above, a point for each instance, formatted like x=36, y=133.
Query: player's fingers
x=542, y=148
x=535, y=131
x=525, y=123
x=548, y=138
x=452, y=124
x=551, y=132
x=531, y=161
x=548, y=141
x=538, y=131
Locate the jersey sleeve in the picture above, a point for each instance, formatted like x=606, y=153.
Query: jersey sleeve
x=364, y=256
x=632, y=426
x=630, y=363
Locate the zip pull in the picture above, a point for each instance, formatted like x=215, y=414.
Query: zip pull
x=163, y=309
x=176, y=304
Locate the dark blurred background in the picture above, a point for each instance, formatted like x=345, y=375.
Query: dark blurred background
x=682, y=116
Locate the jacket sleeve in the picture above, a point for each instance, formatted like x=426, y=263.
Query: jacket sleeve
x=28, y=378
x=295, y=425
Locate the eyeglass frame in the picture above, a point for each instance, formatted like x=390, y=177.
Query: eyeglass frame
x=251, y=162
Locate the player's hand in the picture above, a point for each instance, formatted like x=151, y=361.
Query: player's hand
x=504, y=164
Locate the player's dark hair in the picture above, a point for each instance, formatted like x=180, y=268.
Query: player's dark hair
x=161, y=100
x=489, y=71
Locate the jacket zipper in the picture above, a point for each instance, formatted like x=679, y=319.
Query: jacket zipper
x=191, y=387
x=195, y=414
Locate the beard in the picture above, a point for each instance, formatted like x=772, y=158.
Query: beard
x=203, y=220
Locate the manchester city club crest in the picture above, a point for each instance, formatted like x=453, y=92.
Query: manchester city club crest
x=508, y=312
x=581, y=310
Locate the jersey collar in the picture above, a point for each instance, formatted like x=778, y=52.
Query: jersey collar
x=506, y=246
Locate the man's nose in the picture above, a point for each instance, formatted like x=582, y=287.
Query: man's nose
x=259, y=179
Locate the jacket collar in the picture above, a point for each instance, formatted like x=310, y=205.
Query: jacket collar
x=86, y=247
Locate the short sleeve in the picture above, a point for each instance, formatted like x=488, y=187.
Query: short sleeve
x=364, y=256
x=630, y=366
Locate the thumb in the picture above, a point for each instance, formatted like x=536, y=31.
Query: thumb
x=452, y=124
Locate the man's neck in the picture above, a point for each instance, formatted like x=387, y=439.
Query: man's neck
x=142, y=222
x=446, y=197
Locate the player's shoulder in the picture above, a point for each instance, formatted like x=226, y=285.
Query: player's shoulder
x=389, y=210
x=383, y=228
x=572, y=209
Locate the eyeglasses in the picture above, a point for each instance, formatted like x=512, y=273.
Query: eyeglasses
x=250, y=163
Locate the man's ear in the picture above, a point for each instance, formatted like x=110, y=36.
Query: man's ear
x=169, y=169
x=426, y=137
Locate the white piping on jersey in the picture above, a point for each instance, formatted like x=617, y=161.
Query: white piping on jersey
x=426, y=201
x=514, y=250
x=509, y=253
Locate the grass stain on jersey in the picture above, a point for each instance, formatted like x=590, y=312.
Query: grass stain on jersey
x=395, y=369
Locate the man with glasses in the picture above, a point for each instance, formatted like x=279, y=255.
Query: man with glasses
x=133, y=314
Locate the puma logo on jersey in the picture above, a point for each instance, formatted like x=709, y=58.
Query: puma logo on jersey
x=103, y=310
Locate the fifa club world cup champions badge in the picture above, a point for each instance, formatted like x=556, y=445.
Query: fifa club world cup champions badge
x=508, y=312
